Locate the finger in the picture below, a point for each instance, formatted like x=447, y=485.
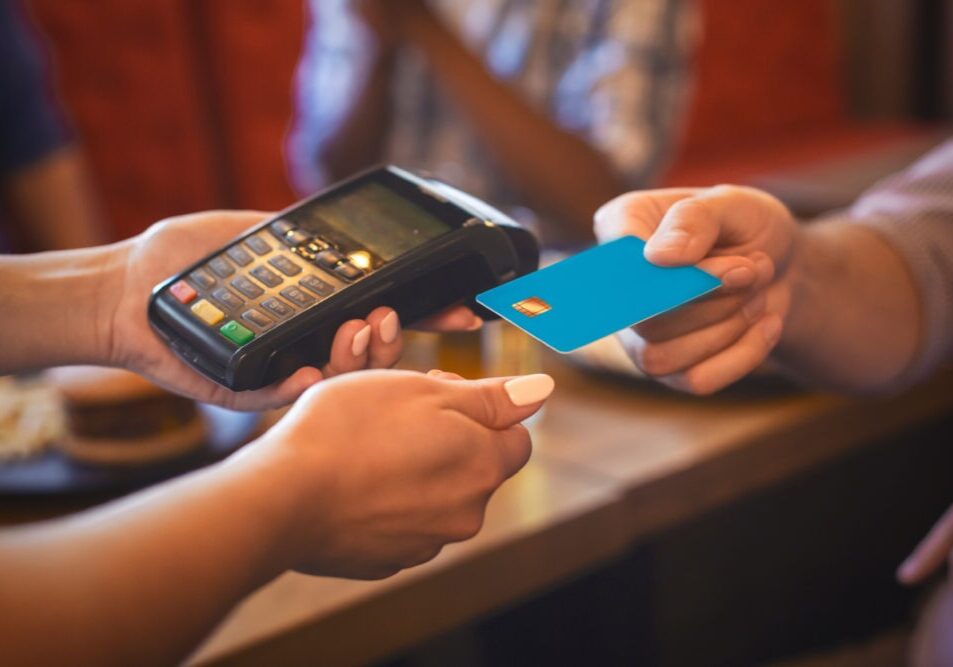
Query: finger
x=738, y=272
x=931, y=553
x=349, y=348
x=516, y=447
x=724, y=215
x=731, y=364
x=636, y=213
x=274, y=396
x=499, y=403
x=702, y=314
x=444, y=375
x=386, y=340
x=457, y=318
x=679, y=354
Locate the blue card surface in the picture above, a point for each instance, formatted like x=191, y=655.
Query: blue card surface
x=594, y=294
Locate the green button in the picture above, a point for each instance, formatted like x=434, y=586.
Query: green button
x=236, y=333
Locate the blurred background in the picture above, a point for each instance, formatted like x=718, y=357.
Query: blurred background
x=180, y=106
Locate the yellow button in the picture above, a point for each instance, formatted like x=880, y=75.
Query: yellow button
x=207, y=312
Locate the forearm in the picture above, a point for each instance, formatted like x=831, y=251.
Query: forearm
x=855, y=320
x=61, y=304
x=52, y=205
x=360, y=140
x=142, y=581
x=559, y=172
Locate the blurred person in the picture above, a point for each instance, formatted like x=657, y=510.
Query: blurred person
x=860, y=301
x=46, y=202
x=558, y=105
x=332, y=489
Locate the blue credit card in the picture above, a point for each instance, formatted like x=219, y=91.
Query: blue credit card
x=594, y=294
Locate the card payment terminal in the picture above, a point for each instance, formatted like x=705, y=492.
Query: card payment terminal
x=271, y=301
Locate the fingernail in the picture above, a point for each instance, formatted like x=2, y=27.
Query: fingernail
x=755, y=307
x=361, y=339
x=475, y=324
x=389, y=327
x=671, y=241
x=905, y=571
x=738, y=277
x=771, y=330
x=434, y=371
x=529, y=389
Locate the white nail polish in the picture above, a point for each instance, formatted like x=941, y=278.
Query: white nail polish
x=361, y=339
x=529, y=389
x=389, y=328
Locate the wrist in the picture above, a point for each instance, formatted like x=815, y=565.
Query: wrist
x=800, y=277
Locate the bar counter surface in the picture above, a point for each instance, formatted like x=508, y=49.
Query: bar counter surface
x=613, y=464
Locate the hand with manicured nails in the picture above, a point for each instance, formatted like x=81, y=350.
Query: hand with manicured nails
x=138, y=264
x=404, y=464
x=742, y=236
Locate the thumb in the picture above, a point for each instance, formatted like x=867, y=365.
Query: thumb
x=499, y=403
x=931, y=553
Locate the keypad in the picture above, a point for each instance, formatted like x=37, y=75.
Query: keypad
x=348, y=271
x=281, y=227
x=239, y=255
x=258, y=245
x=285, y=265
x=297, y=296
x=258, y=318
x=297, y=237
x=183, y=292
x=277, y=308
x=236, y=333
x=221, y=267
x=316, y=285
x=328, y=258
x=247, y=287
x=227, y=298
x=266, y=277
x=202, y=278
x=206, y=312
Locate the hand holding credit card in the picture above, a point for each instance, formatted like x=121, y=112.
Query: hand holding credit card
x=595, y=293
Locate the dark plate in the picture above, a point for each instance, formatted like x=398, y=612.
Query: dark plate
x=53, y=474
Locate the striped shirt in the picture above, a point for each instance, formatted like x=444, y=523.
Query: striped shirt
x=611, y=71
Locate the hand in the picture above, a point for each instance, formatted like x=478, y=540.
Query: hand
x=742, y=236
x=935, y=549
x=166, y=248
x=387, y=468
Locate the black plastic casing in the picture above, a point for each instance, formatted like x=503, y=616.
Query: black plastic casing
x=483, y=249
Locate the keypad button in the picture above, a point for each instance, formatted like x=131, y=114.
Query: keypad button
x=236, y=333
x=277, y=308
x=239, y=255
x=258, y=245
x=348, y=271
x=297, y=237
x=329, y=258
x=206, y=312
x=266, y=277
x=285, y=265
x=221, y=267
x=281, y=227
x=317, y=244
x=227, y=298
x=316, y=285
x=202, y=278
x=247, y=287
x=183, y=291
x=258, y=318
x=298, y=297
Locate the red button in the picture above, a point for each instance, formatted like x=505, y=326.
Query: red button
x=183, y=291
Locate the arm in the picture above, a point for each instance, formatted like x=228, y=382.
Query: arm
x=141, y=581
x=834, y=301
x=559, y=172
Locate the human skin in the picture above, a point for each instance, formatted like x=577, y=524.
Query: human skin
x=89, y=306
x=557, y=172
